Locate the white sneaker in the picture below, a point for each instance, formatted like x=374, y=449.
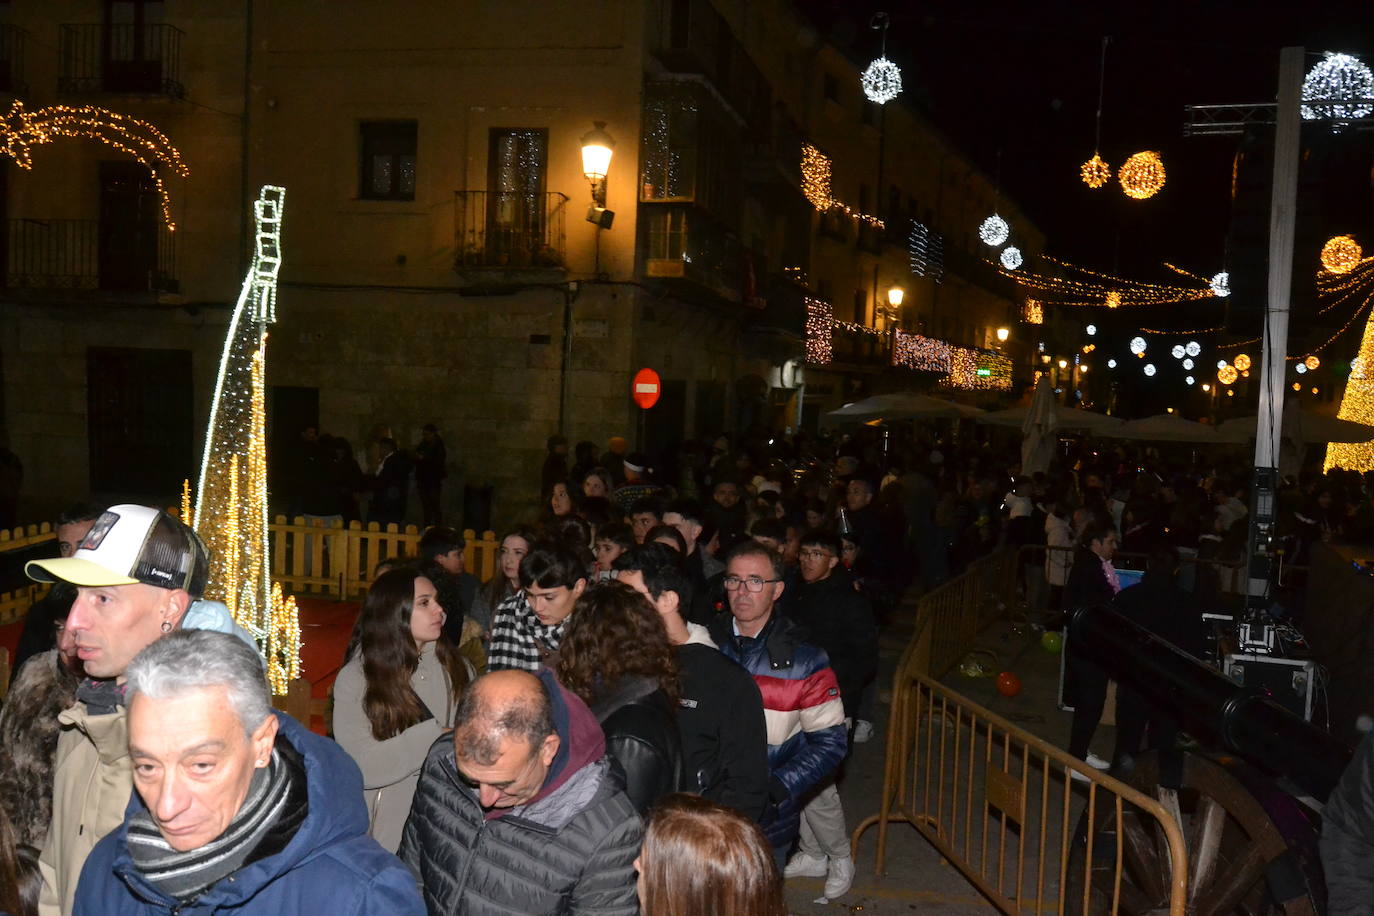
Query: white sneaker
x=1076, y=776
x=863, y=731
x=1096, y=762
x=839, y=877
x=803, y=865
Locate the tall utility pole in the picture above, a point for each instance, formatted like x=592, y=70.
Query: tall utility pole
x=1269, y=425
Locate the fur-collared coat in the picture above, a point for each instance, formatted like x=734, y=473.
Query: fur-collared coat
x=28, y=743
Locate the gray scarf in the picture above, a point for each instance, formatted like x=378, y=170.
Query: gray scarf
x=270, y=815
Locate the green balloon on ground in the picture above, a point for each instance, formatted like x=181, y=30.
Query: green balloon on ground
x=1052, y=642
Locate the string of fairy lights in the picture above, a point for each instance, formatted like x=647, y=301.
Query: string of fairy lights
x=23, y=129
x=816, y=186
x=231, y=500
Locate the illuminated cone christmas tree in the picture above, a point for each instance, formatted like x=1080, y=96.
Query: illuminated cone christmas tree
x=1357, y=405
x=231, y=502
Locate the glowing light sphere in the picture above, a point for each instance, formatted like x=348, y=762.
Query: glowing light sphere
x=1312, y=363
x=1300, y=369
x=1091, y=329
x=1297, y=386
x=1187, y=364
x=1227, y=375
x=1178, y=351
x=1221, y=285
x=1142, y=175
x=994, y=230
x=1222, y=364
x=1111, y=364
x=1095, y=172
x=1150, y=370
x=882, y=81
x=1011, y=257
x=1137, y=345
x=1241, y=362
x=1189, y=380
x=1113, y=299
x=1192, y=348
x=1341, y=254
x=1337, y=77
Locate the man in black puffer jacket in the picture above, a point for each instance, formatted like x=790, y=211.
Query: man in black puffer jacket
x=521, y=811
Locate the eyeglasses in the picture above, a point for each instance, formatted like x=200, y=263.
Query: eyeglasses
x=752, y=584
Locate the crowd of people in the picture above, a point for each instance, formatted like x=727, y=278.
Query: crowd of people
x=646, y=708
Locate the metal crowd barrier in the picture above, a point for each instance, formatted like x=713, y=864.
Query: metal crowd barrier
x=1001, y=805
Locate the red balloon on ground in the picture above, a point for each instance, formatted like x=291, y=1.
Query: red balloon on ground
x=1008, y=684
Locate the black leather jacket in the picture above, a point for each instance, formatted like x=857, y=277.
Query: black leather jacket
x=642, y=735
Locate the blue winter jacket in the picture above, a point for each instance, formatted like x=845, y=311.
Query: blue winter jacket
x=807, y=737
x=331, y=867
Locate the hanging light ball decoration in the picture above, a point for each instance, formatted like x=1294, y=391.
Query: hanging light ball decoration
x=1337, y=78
x=1095, y=172
x=1222, y=364
x=1011, y=257
x=1341, y=254
x=1187, y=364
x=1137, y=345
x=1227, y=375
x=1177, y=352
x=1221, y=285
x=1150, y=370
x=1192, y=348
x=1300, y=368
x=1111, y=364
x=1241, y=362
x=1091, y=329
x=1142, y=175
x=882, y=81
x=1312, y=363
x=994, y=230
x=1190, y=380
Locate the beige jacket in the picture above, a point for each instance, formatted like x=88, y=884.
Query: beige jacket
x=92, y=782
x=391, y=768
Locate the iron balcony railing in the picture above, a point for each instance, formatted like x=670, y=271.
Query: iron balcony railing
x=12, y=42
x=103, y=57
x=510, y=230
x=87, y=254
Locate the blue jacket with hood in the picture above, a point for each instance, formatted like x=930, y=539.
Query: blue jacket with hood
x=331, y=866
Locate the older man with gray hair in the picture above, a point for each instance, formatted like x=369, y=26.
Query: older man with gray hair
x=237, y=807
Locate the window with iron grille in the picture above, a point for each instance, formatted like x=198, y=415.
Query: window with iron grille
x=387, y=160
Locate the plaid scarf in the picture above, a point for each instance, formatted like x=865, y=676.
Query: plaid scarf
x=270, y=816
x=102, y=696
x=519, y=640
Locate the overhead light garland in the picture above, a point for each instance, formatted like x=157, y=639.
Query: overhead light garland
x=148, y=146
x=1142, y=175
x=1337, y=78
x=926, y=248
x=816, y=186
x=1081, y=286
x=882, y=79
x=231, y=500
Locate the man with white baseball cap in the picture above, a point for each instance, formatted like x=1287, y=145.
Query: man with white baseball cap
x=137, y=573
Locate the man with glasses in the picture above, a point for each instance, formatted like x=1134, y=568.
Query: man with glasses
x=801, y=698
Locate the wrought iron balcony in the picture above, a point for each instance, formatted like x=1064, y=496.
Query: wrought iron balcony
x=509, y=230
x=12, y=42
x=135, y=59
x=88, y=254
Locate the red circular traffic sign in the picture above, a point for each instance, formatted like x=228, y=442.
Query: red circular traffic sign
x=645, y=388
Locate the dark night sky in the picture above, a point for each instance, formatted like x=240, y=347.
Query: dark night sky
x=1016, y=86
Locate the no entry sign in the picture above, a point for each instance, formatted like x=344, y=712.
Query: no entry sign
x=645, y=388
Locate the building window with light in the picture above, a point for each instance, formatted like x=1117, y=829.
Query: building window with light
x=387, y=160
